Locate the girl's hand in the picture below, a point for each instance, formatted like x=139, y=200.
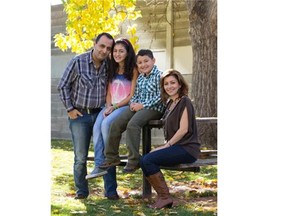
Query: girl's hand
x=108, y=110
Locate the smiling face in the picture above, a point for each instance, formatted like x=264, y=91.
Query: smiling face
x=171, y=86
x=102, y=48
x=145, y=64
x=119, y=53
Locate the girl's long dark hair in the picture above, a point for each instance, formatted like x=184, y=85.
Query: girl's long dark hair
x=129, y=64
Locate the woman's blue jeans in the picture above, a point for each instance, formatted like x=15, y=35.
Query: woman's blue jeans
x=100, y=133
x=170, y=156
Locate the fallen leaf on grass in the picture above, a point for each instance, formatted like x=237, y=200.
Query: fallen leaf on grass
x=78, y=212
x=200, y=180
x=139, y=213
x=114, y=207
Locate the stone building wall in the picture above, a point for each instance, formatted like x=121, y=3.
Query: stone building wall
x=152, y=35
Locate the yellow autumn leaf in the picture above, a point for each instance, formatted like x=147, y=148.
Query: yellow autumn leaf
x=114, y=207
x=86, y=19
x=139, y=213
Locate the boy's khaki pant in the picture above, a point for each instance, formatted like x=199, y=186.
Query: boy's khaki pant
x=132, y=122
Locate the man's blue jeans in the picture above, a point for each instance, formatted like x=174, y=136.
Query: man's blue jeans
x=81, y=130
x=100, y=135
x=170, y=156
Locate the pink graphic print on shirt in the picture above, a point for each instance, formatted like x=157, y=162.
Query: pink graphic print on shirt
x=120, y=89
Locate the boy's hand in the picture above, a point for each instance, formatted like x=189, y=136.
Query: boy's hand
x=136, y=107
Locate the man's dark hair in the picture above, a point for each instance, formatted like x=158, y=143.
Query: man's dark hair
x=104, y=34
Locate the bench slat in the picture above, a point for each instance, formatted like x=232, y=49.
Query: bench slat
x=194, y=167
x=159, y=123
x=198, y=163
x=205, y=154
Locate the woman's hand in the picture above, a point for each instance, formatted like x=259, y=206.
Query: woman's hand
x=166, y=145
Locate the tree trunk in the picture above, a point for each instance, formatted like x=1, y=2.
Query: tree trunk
x=203, y=33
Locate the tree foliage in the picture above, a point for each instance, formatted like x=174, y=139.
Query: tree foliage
x=87, y=18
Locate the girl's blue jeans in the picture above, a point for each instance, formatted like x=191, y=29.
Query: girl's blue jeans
x=100, y=133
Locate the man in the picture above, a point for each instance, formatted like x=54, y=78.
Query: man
x=83, y=91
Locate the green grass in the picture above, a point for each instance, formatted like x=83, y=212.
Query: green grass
x=194, y=193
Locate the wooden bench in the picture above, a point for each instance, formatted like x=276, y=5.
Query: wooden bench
x=207, y=157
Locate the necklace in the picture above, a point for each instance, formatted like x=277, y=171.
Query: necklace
x=174, y=103
x=120, y=70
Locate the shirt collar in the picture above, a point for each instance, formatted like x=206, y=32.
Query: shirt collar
x=153, y=71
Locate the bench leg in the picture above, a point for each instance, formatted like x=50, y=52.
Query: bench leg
x=146, y=193
x=146, y=148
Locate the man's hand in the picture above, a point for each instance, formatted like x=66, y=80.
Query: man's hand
x=73, y=114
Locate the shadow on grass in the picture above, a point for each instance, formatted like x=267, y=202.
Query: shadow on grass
x=65, y=179
x=183, y=185
x=124, y=207
x=137, y=206
x=65, y=145
x=62, y=144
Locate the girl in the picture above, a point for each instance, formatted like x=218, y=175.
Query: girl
x=122, y=82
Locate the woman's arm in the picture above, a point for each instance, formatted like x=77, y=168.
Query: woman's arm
x=183, y=129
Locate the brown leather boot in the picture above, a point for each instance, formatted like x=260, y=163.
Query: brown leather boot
x=164, y=199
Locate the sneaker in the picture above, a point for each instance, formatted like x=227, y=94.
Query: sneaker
x=107, y=164
x=97, y=172
x=130, y=168
x=80, y=196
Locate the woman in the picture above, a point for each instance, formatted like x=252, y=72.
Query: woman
x=180, y=132
x=121, y=87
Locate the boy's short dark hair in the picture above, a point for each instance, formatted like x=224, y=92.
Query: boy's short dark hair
x=144, y=52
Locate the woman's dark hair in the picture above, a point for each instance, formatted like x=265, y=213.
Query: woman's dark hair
x=178, y=76
x=130, y=60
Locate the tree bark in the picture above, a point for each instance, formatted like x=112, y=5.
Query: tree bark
x=203, y=33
